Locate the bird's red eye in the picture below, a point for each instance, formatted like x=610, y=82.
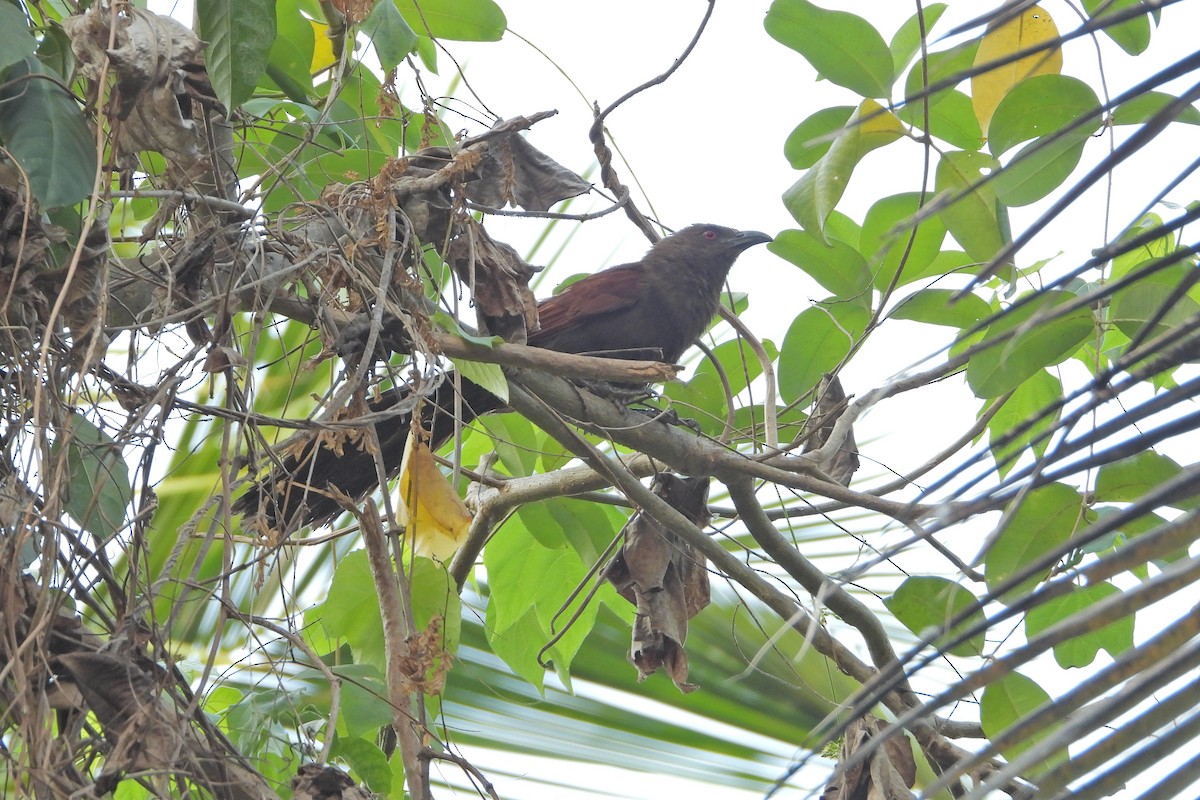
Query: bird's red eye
x=710, y=235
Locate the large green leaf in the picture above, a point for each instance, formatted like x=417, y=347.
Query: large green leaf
x=1144, y=300
x=842, y=47
x=1039, y=106
x=1125, y=481
x=1081, y=650
x=1006, y=702
x=44, y=130
x=1043, y=520
x=968, y=206
x=813, y=137
x=1040, y=167
x=239, y=34
x=907, y=39
x=816, y=342
x=813, y=198
x=98, y=491
x=1133, y=35
x=529, y=582
x=837, y=266
x=463, y=20
x=1001, y=368
x=1027, y=400
x=895, y=250
x=1139, y=109
x=16, y=42
x=390, y=33
x=927, y=604
x=938, y=307
x=951, y=119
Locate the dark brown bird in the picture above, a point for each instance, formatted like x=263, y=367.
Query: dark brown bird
x=652, y=309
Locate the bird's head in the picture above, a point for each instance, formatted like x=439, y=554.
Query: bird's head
x=713, y=239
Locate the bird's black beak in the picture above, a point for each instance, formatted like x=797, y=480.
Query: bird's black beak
x=745, y=239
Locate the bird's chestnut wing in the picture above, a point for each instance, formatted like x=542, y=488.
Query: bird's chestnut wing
x=586, y=302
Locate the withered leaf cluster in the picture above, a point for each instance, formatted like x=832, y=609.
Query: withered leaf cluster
x=665, y=578
x=887, y=774
x=140, y=707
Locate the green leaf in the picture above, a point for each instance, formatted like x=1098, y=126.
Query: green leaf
x=1081, y=650
x=460, y=20
x=1157, y=247
x=813, y=137
x=1141, y=108
x=927, y=604
x=362, y=686
x=907, y=40
x=1135, y=306
x=368, y=762
x=1039, y=168
x=974, y=219
x=16, y=42
x=812, y=198
x=291, y=53
x=517, y=643
x=838, y=267
x=391, y=35
x=1028, y=399
x=937, y=307
x=44, y=130
x=702, y=397
x=886, y=232
x=1125, y=481
x=1001, y=368
x=351, y=608
x=98, y=491
x=1133, y=35
x=347, y=166
x=1006, y=702
x=239, y=34
x=951, y=119
x=942, y=66
x=1037, y=107
x=843, y=48
x=817, y=341
x=489, y=376
x=528, y=584
x=1045, y=519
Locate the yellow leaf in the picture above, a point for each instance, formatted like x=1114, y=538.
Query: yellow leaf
x=430, y=510
x=875, y=126
x=323, y=57
x=1028, y=29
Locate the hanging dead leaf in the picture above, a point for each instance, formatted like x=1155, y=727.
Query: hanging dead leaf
x=499, y=280
x=514, y=171
x=665, y=578
x=430, y=510
x=159, y=67
x=887, y=774
x=831, y=404
x=1030, y=28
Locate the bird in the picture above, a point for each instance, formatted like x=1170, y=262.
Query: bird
x=652, y=309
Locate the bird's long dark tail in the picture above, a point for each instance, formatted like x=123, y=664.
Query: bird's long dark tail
x=301, y=491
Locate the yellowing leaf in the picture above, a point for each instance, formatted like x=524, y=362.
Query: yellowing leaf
x=1028, y=29
x=323, y=56
x=430, y=510
x=812, y=198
